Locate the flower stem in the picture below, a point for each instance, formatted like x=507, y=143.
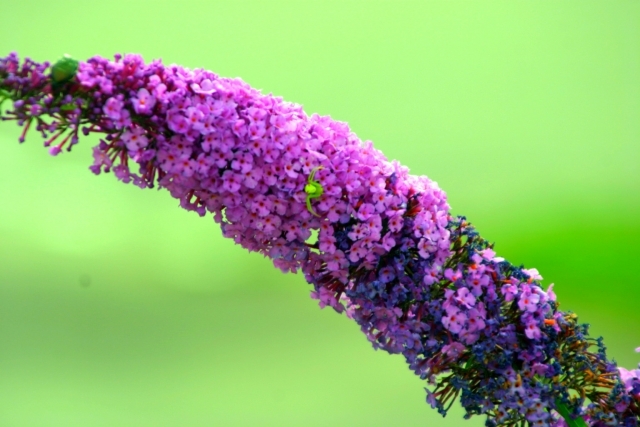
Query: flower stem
x=564, y=411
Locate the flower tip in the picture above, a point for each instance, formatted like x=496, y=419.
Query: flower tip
x=55, y=150
x=638, y=350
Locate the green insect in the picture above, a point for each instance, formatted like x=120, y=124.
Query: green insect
x=63, y=70
x=313, y=189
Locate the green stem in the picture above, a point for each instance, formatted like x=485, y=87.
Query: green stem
x=4, y=95
x=563, y=410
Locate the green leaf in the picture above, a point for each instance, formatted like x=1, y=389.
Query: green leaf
x=563, y=410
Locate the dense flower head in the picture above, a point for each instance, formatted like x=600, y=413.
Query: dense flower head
x=373, y=240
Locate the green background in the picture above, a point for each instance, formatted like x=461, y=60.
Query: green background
x=117, y=308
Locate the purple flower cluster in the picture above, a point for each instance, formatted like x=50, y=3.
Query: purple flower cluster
x=219, y=145
x=375, y=242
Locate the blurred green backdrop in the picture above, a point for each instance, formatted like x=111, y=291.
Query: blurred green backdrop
x=117, y=308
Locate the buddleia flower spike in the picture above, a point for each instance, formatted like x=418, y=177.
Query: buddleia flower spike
x=418, y=280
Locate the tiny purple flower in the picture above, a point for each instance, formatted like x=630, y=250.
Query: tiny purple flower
x=144, y=102
x=528, y=300
x=454, y=321
x=177, y=123
x=531, y=330
x=113, y=108
x=205, y=87
x=387, y=274
x=465, y=298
